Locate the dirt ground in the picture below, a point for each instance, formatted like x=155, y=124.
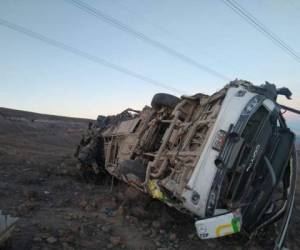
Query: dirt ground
x=58, y=209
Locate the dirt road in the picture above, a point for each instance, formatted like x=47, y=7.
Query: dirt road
x=59, y=210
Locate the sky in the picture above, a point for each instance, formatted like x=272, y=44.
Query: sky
x=38, y=77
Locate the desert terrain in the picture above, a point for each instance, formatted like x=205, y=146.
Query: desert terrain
x=58, y=209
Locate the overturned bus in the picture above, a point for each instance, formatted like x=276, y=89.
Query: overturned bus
x=227, y=159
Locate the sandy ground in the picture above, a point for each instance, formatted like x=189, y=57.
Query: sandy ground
x=39, y=184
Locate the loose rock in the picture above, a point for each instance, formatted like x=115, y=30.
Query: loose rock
x=173, y=237
x=51, y=240
x=156, y=224
x=115, y=240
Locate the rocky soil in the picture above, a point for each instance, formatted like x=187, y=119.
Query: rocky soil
x=58, y=209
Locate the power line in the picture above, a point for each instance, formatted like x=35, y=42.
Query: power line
x=258, y=25
x=86, y=55
x=158, y=27
x=164, y=30
x=261, y=28
x=141, y=36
